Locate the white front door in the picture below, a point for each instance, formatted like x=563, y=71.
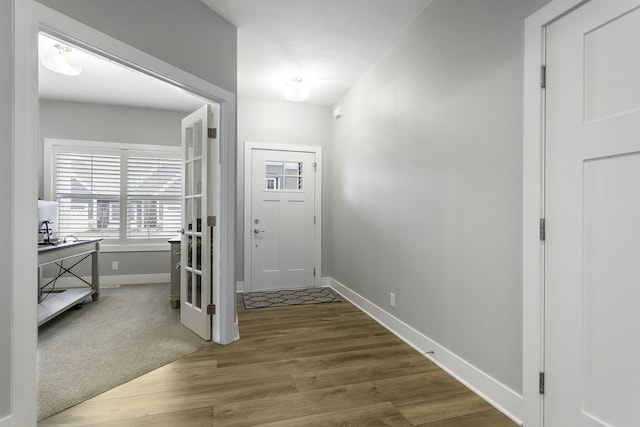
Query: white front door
x=282, y=219
x=592, y=247
x=200, y=255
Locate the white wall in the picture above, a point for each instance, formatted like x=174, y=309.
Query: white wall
x=186, y=33
x=6, y=184
x=283, y=122
x=427, y=179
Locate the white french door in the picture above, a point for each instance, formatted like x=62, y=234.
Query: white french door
x=282, y=218
x=592, y=247
x=200, y=254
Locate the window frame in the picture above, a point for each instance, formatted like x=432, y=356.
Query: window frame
x=279, y=180
x=52, y=146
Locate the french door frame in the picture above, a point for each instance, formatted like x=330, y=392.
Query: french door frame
x=31, y=17
x=534, y=206
x=249, y=146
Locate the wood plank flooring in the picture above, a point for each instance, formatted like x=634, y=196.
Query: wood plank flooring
x=309, y=365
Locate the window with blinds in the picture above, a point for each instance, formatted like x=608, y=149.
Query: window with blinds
x=154, y=186
x=121, y=195
x=88, y=193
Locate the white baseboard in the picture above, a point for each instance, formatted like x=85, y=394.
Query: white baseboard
x=6, y=421
x=239, y=287
x=111, y=281
x=497, y=394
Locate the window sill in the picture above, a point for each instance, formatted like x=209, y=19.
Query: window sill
x=154, y=247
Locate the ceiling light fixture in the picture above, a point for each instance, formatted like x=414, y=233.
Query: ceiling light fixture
x=61, y=62
x=296, y=90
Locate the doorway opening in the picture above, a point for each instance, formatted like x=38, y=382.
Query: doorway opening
x=129, y=121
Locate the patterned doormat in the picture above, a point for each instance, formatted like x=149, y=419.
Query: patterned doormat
x=280, y=298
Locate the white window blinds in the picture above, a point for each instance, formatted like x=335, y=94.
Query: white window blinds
x=124, y=196
x=153, y=197
x=88, y=192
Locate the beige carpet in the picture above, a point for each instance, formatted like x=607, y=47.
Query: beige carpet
x=129, y=331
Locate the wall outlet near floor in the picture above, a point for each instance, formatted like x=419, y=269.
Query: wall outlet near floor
x=392, y=299
x=114, y=265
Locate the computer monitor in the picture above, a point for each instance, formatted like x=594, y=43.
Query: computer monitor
x=47, y=222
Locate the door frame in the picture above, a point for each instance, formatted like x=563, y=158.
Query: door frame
x=29, y=18
x=224, y=322
x=249, y=146
x=199, y=319
x=534, y=206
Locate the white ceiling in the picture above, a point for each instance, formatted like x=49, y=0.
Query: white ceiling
x=106, y=82
x=328, y=43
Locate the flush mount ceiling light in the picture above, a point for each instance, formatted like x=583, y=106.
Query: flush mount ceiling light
x=296, y=90
x=60, y=60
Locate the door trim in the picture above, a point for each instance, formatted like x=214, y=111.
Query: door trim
x=29, y=18
x=253, y=145
x=225, y=326
x=533, y=206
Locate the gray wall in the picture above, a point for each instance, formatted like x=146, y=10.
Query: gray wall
x=108, y=123
x=427, y=181
x=129, y=263
x=149, y=25
x=93, y=122
x=283, y=122
x=186, y=33
x=6, y=184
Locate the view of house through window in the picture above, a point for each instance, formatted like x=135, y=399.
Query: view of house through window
x=283, y=175
x=123, y=195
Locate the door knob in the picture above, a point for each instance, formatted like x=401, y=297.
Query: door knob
x=256, y=231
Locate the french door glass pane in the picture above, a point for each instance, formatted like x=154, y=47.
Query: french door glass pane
x=188, y=176
x=189, y=140
x=197, y=139
x=198, y=292
x=198, y=253
x=190, y=251
x=198, y=213
x=188, y=214
x=189, y=288
x=197, y=176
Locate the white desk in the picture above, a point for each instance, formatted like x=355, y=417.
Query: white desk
x=56, y=303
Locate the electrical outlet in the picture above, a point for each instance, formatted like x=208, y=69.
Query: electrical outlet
x=114, y=265
x=392, y=299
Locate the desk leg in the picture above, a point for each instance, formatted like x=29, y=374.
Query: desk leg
x=95, y=276
x=39, y=284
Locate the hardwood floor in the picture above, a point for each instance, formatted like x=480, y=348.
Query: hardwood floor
x=310, y=365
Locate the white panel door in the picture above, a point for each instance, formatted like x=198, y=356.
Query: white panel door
x=200, y=239
x=282, y=219
x=592, y=247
